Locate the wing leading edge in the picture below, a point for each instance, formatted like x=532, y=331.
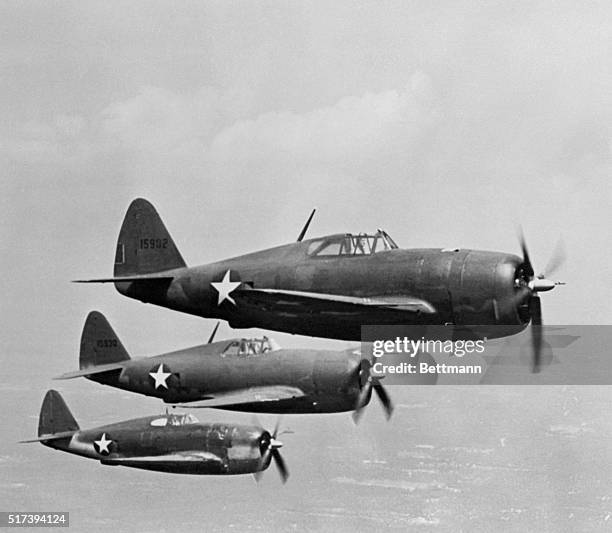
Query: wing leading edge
x=274, y=393
x=293, y=299
x=176, y=457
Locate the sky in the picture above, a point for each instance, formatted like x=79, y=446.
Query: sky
x=447, y=124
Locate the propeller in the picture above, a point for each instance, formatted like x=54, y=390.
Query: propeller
x=269, y=446
x=529, y=285
x=367, y=382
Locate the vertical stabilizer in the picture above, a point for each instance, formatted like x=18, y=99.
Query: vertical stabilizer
x=55, y=417
x=144, y=245
x=99, y=343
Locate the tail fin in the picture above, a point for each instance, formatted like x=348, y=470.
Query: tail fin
x=55, y=417
x=99, y=343
x=144, y=245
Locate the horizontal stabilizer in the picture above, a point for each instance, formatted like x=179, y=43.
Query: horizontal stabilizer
x=91, y=371
x=161, y=277
x=274, y=393
x=51, y=436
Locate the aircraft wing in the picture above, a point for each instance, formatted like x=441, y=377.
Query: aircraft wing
x=51, y=436
x=98, y=369
x=272, y=393
x=292, y=300
x=175, y=457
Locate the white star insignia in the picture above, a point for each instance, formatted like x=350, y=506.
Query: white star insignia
x=160, y=376
x=103, y=444
x=224, y=288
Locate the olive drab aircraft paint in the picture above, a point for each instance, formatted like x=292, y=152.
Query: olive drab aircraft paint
x=253, y=375
x=173, y=443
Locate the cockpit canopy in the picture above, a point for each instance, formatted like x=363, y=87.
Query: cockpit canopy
x=174, y=420
x=250, y=347
x=351, y=244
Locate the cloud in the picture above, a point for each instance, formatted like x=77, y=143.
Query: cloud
x=159, y=120
x=212, y=139
x=209, y=139
x=56, y=142
x=212, y=128
x=353, y=129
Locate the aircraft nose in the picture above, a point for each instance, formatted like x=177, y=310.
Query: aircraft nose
x=506, y=272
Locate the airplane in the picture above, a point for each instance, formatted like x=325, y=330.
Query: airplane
x=330, y=286
x=173, y=443
x=253, y=375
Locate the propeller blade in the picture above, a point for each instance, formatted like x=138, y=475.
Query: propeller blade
x=269, y=447
x=529, y=289
x=278, y=422
x=384, y=399
x=556, y=259
x=262, y=463
x=526, y=260
x=362, y=400
x=367, y=382
x=280, y=463
x=535, y=311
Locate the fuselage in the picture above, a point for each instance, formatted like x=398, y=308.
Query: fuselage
x=171, y=443
x=327, y=378
x=464, y=287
